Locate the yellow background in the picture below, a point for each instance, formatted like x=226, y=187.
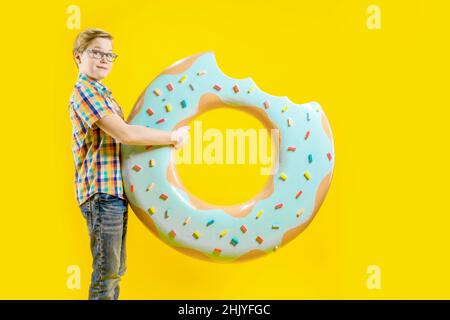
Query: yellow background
x=385, y=95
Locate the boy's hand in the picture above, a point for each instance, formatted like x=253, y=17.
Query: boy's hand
x=180, y=136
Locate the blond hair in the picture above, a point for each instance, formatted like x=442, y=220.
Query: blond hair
x=84, y=38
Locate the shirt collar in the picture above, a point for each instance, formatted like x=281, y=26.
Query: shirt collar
x=83, y=77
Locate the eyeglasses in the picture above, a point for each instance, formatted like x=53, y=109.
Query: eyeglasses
x=97, y=54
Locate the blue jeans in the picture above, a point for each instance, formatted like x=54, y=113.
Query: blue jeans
x=106, y=217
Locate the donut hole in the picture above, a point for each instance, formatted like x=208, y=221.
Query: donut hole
x=230, y=157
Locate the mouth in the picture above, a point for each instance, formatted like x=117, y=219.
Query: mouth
x=102, y=68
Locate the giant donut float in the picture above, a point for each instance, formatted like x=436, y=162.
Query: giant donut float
x=274, y=217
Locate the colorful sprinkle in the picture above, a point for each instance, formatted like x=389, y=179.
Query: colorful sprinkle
x=168, y=107
x=283, y=176
x=132, y=188
x=201, y=72
x=152, y=163
x=289, y=122
x=236, y=88
x=183, y=104
x=169, y=87
x=136, y=168
x=307, y=175
x=172, y=233
x=243, y=228
x=259, y=214
x=217, y=251
x=310, y=158
x=266, y=104
x=307, y=135
x=329, y=156
x=196, y=235
x=275, y=227
x=217, y=87
x=163, y=196
x=157, y=92
x=259, y=239
x=251, y=89
x=300, y=212
x=151, y=210
x=160, y=121
x=191, y=86
x=234, y=241
x=307, y=117
x=278, y=206
x=210, y=222
x=298, y=194
x=150, y=186
x=182, y=79
x=275, y=248
x=292, y=149
x=150, y=112
x=285, y=108
x=186, y=221
x=166, y=214
x=223, y=233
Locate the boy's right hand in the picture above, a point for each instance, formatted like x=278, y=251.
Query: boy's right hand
x=180, y=136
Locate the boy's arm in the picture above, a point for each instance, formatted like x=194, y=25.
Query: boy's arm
x=125, y=133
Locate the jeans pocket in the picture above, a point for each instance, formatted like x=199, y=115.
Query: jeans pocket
x=87, y=214
x=109, y=204
x=107, y=197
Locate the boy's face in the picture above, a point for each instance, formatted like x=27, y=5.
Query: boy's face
x=96, y=69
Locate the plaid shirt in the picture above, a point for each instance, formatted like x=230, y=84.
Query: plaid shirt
x=95, y=153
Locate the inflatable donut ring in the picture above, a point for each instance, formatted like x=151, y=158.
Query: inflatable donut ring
x=296, y=188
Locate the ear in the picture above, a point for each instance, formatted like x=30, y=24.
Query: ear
x=77, y=57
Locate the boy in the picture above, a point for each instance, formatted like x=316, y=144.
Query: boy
x=98, y=130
